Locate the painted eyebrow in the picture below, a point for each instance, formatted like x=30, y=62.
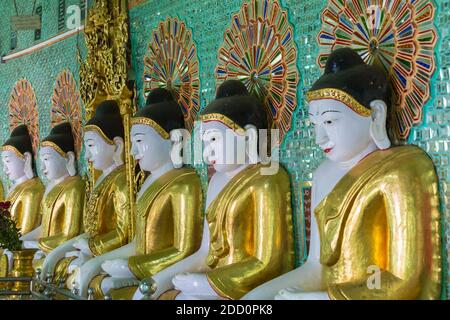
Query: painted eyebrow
x=138, y=134
x=330, y=111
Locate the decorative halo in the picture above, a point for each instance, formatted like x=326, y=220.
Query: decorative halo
x=259, y=50
x=66, y=105
x=23, y=110
x=171, y=62
x=397, y=35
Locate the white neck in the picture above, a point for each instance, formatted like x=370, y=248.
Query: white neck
x=105, y=173
x=155, y=175
x=219, y=180
x=352, y=162
x=17, y=182
x=54, y=183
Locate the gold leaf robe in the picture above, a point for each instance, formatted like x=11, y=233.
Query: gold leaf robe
x=25, y=200
x=62, y=211
x=383, y=213
x=251, y=233
x=107, y=217
x=25, y=203
x=169, y=223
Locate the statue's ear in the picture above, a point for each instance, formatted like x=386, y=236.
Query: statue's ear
x=378, y=130
x=177, y=149
x=251, y=137
x=28, y=169
x=118, y=150
x=70, y=163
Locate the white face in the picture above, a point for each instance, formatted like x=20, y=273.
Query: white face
x=13, y=166
x=340, y=132
x=98, y=151
x=216, y=152
x=53, y=165
x=149, y=148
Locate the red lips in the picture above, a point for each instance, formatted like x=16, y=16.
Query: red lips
x=327, y=150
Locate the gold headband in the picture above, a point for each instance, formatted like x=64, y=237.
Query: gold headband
x=223, y=119
x=93, y=127
x=149, y=122
x=344, y=97
x=13, y=150
x=54, y=146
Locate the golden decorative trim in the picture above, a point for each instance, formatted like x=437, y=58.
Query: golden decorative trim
x=93, y=127
x=344, y=97
x=149, y=122
x=54, y=146
x=13, y=150
x=223, y=119
x=96, y=285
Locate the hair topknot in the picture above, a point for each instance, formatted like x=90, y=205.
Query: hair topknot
x=231, y=88
x=158, y=95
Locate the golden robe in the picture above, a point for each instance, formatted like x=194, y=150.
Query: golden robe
x=25, y=203
x=251, y=233
x=1, y=192
x=169, y=223
x=107, y=217
x=62, y=211
x=383, y=214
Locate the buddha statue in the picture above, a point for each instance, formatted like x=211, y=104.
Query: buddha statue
x=63, y=201
x=107, y=222
x=26, y=190
x=247, y=235
x=375, y=233
x=169, y=216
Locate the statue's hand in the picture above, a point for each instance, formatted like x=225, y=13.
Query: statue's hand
x=83, y=245
x=78, y=262
x=39, y=255
x=118, y=268
x=84, y=273
x=296, y=293
x=74, y=253
x=193, y=284
x=30, y=244
x=117, y=283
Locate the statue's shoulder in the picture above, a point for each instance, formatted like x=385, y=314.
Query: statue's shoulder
x=35, y=185
x=119, y=176
x=269, y=175
x=404, y=159
x=75, y=182
x=184, y=177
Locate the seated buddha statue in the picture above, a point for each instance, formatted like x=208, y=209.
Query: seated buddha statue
x=107, y=222
x=169, y=216
x=63, y=201
x=26, y=190
x=376, y=224
x=247, y=235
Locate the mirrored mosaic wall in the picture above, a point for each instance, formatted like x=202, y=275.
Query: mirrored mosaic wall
x=208, y=19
